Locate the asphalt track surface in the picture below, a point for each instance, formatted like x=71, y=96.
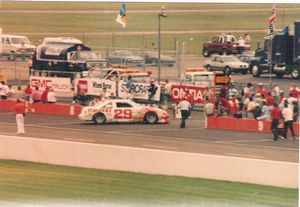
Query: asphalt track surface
x=193, y=139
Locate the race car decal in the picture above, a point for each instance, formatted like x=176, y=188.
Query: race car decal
x=123, y=113
x=102, y=110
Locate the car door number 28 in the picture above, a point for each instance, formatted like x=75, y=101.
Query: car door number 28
x=123, y=113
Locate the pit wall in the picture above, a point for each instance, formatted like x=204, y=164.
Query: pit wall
x=235, y=124
x=45, y=108
x=150, y=161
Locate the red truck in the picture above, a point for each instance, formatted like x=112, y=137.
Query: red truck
x=223, y=44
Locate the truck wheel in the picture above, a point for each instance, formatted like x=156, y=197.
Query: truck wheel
x=99, y=118
x=227, y=70
x=205, y=52
x=279, y=75
x=255, y=71
x=295, y=73
x=151, y=118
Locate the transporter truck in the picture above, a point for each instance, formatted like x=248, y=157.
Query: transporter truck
x=64, y=60
x=281, y=54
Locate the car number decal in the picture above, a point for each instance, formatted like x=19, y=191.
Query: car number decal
x=123, y=113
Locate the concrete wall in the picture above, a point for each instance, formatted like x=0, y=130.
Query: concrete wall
x=150, y=161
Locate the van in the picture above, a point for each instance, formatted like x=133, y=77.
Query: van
x=14, y=46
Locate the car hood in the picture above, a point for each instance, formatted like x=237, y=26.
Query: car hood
x=236, y=63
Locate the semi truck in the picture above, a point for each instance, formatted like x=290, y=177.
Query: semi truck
x=64, y=60
x=280, y=55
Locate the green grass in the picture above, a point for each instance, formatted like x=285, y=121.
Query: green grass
x=81, y=25
x=30, y=182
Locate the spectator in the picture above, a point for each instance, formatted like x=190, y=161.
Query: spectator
x=45, y=95
x=276, y=92
x=28, y=93
x=250, y=107
x=3, y=90
x=265, y=112
x=287, y=115
x=167, y=91
x=208, y=107
x=247, y=90
x=241, y=43
x=51, y=97
x=261, y=90
x=151, y=92
x=275, y=115
x=256, y=111
x=129, y=82
x=223, y=106
x=232, y=91
x=290, y=101
x=11, y=92
x=270, y=101
x=234, y=106
x=36, y=96
x=241, y=107
x=247, y=38
x=281, y=96
x=20, y=110
x=294, y=90
x=19, y=93
x=184, y=107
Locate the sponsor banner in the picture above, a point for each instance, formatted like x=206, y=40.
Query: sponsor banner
x=94, y=86
x=139, y=90
x=198, y=93
x=57, y=84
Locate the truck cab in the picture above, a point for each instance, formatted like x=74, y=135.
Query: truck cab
x=198, y=78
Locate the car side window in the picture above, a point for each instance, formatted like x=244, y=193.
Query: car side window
x=123, y=105
x=108, y=105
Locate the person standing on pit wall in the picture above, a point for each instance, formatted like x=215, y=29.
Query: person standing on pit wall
x=208, y=107
x=20, y=110
x=276, y=116
x=185, y=108
x=287, y=115
x=294, y=90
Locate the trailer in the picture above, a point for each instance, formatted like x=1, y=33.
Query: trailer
x=280, y=55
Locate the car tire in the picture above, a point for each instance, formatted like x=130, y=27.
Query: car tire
x=205, y=52
x=255, y=71
x=99, y=118
x=151, y=117
x=227, y=70
x=295, y=74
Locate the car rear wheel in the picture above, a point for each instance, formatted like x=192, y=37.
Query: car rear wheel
x=205, y=52
x=99, y=118
x=151, y=117
x=227, y=70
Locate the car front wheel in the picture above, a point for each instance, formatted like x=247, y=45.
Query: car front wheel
x=205, y=52
x=255, y=71
x=295, y=73
x=151, y=117
x=99, y=118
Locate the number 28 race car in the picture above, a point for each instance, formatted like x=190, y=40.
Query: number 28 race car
x=123, y=110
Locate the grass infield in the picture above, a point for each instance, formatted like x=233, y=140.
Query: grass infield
x=26, y=182
x=86, y=26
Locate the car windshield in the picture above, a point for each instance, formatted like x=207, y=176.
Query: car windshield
x=86, y=55
x=19, y=40
x=203, y=78
x=231, y=59
x=125, y=53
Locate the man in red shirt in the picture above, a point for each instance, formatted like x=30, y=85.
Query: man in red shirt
x=276, y=116
x=294, y=90
x=223, y=106
x=20, y=110
x=261, y=90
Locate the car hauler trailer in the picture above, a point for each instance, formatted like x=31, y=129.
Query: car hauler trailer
x=281, y=54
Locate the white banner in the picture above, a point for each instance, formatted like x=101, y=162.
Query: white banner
x=94, y=86
x=139, y=90
x=57, y=84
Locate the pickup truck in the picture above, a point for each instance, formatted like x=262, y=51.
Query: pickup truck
x=223, y=44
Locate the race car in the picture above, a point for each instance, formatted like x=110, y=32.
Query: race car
x=123, y=110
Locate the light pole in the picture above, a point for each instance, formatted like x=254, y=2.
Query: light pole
x=161, y=14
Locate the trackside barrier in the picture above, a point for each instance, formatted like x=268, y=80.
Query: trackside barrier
x=45, y=108
x=150, y=161
x=252, y=125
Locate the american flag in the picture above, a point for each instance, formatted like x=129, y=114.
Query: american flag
x=272, y=20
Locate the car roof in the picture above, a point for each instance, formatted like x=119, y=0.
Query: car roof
x=62, y=40
x=7, y=35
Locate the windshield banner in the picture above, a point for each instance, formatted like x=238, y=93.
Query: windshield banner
x=57, y=84
x=197, y=94
x=139, y=91
x=94, y=86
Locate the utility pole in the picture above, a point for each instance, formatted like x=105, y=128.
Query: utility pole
x=161, y=14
